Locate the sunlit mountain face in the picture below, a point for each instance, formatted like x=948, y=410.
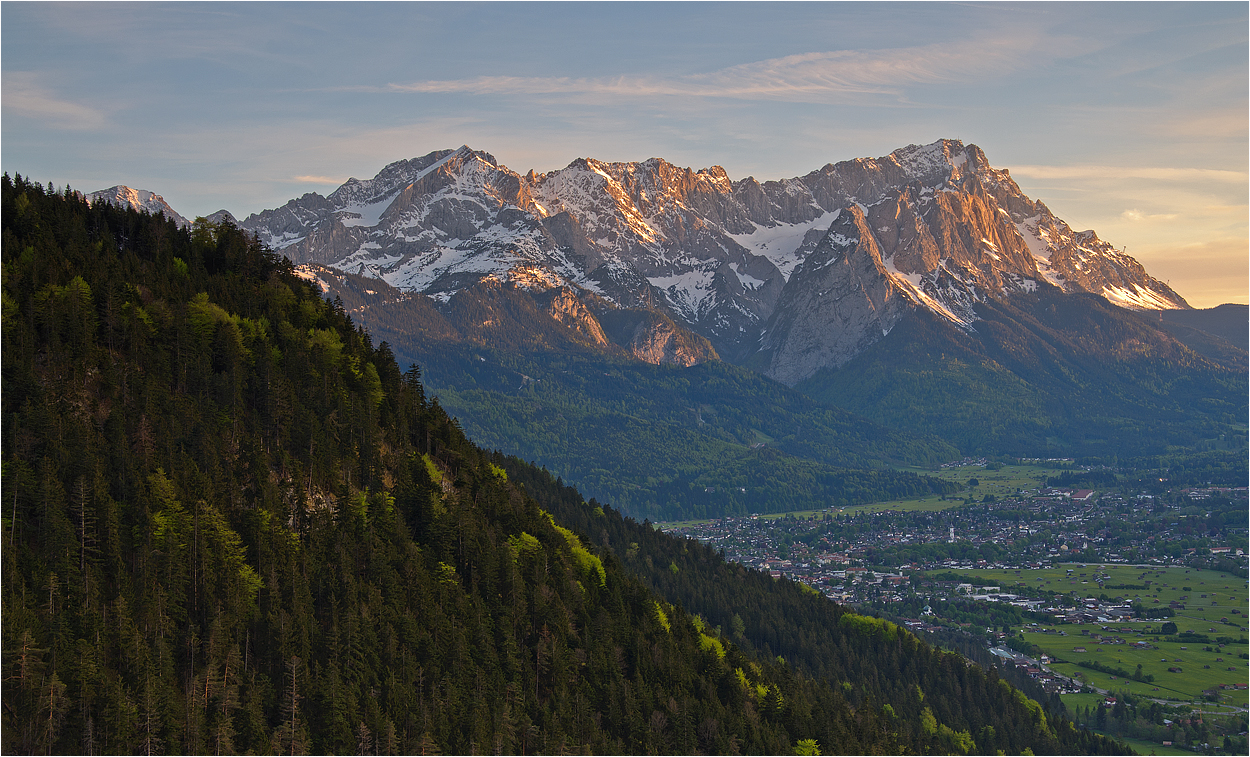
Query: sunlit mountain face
x=807, y=271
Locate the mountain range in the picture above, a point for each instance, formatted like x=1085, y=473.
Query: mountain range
x=237, y=525
x=921, y=291
x=800, y=274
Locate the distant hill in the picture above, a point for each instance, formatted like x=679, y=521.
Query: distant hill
x=1229, y=321
x=1049, y=374
x=670, y=443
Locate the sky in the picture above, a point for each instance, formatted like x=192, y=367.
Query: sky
x=1127, y=118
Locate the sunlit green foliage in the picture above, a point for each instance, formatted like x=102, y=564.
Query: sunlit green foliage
x=871, y=662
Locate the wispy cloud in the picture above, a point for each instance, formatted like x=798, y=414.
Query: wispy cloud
x=25, y=96
x=318, y=180
x=1135, y=215
x=1213, y=123
x=809, y=77
x=1117, y=173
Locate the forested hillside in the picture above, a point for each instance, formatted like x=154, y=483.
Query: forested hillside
x=878, y=665
x=231, y=524
x=1049, y=374
x=673, y=443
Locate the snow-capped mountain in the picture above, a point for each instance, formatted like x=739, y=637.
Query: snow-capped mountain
x=806, y=272
x=139, y=199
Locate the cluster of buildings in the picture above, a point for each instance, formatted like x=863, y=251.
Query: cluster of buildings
x=1215, y=491
x=870, y=558
x=1037, y=527
x=1051, y=682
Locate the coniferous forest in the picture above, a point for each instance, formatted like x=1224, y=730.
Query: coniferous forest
x=233, y=524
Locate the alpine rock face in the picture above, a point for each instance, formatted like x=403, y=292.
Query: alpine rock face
x=794, y=275
x=139, y=199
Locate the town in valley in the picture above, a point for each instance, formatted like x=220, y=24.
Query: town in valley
x=1127, y=601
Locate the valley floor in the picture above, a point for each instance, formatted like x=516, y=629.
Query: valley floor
x=1097, y=595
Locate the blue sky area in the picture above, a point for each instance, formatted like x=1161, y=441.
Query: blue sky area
x=1127, y=118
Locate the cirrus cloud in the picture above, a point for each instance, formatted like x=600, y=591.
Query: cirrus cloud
x=1111, y=173
x=1135, y=215
x=317, y=180
x=807, y=77
x=24, y=95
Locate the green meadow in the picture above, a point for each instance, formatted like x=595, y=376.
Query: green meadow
x=999, y=483
x=1214, y=605
x=977, y=482
x=1004, y=482
x=1148, y=748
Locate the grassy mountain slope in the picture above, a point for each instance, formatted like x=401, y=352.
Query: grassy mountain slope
x=1047, y=374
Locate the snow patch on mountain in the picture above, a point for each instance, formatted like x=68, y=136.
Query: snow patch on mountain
x=687, y=291
x=923, y=161
x=781, y=242
x=1040, y=248
x=366, y=262
x=364, y=215
x=747, y=280
x=306, y=273
x=1137, y=298
x=916, y=284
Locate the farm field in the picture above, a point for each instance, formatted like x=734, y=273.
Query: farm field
x=1147, y=748
x=1000, y=483
x=931, y=503
x=1207, y=595
x=1003, y=482
x=1213, y=605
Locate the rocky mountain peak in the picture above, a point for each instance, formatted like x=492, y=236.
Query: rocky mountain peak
x=840, y=300
x=139, y=199
x=222, y=216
